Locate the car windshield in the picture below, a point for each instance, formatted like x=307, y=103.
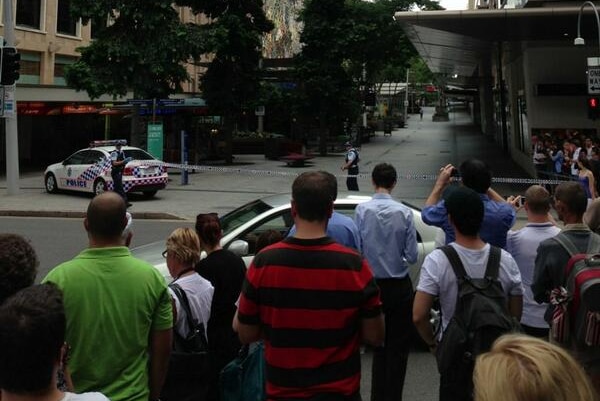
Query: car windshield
x=242, y=215
x=138, y=154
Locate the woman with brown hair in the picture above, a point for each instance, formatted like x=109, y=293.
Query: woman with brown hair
x=226, y=272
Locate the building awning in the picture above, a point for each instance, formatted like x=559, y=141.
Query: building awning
x=453, y=42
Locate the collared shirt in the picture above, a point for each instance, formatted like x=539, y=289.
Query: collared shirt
x=522, y=245
x=388, y=236
x=342, y=229
x=499, y=217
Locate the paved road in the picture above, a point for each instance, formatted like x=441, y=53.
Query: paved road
x=417, y=152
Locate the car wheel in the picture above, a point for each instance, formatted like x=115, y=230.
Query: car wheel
x=99, y=186
x=149, y=194
x=50, y=182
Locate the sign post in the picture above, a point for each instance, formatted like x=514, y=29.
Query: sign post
x=593, y=75
x=155, y=140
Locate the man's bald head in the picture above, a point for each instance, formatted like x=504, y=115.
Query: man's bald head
x=106, y=216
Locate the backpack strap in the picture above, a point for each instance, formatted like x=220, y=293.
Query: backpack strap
x=455, y=262
x=184, y=302
x=567, y=244
x=593, y=244
x=493, y=263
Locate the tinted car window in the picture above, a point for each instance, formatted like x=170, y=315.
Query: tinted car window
x=138, y=154
x=78, y=157
x=94, y=157
x=242, y=215
x=281, y=222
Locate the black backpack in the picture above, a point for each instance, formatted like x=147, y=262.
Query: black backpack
x=480, y=317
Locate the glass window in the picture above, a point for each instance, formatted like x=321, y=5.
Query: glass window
x=28, y=13
x=59, y=68
x=77, y=158
x=94, y=156
x=30, y=68
x=281, y=222
x=137, y=154
x=242, y=215
x=65, y=23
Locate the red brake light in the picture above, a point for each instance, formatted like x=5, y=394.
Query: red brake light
x=128, y=171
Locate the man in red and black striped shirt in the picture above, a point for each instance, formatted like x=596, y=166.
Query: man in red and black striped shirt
x=313, y=301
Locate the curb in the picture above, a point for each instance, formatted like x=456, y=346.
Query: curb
x=78, y=215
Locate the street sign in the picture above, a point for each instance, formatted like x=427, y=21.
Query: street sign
x=593, y=75
x=155, y=140
x=9, y=100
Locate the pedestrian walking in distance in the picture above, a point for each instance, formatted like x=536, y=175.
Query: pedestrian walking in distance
x=351, y=164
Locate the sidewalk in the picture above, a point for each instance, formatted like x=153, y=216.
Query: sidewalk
x=417, y=152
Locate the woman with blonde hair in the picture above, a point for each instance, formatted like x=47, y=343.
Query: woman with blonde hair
x=182, y=254
x=524, y=368
x=191, y=293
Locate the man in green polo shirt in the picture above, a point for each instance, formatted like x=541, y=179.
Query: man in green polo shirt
x=119, y=314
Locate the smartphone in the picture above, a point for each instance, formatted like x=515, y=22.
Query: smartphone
x=521, y=201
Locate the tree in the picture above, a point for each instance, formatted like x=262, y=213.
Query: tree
x=326, y=87
x=144, y=49
x=231, y=82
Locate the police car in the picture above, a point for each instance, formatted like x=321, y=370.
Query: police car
x=88, y=170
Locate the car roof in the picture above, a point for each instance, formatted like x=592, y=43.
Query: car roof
x=284, y=199
x=111, y=148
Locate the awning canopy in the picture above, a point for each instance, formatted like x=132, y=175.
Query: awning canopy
x=453, y=42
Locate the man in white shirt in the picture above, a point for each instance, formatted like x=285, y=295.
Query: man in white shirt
x=437, y=279
x=522, y=245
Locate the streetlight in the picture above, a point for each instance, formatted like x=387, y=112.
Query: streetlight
x=579, y=41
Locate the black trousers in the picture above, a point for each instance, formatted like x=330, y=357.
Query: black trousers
x=457, y=383
x=352, y=182
x=117, y=177
x=389, y=361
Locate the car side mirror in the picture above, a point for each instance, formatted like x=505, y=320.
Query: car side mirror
x=239, y=247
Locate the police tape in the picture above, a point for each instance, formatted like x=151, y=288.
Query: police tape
x=273, y=173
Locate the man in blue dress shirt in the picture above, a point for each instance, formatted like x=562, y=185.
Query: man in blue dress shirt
x=499, y=215
x=389, y=241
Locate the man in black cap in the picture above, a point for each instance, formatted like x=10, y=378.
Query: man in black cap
x=351, y=164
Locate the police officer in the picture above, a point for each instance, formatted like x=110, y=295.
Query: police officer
x=118, y=161
x=351, y=164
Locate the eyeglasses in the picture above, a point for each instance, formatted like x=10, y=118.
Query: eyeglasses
x=165, y=253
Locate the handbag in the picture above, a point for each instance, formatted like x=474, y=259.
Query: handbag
x=243, y=379
x=188, y=373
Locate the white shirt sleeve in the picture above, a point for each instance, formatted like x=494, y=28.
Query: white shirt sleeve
x=429, y=279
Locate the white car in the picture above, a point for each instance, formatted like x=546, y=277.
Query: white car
x=88, y=170
x=242, y=226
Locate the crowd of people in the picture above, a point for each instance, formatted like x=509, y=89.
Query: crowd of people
x=104, y=324
x=568, y=156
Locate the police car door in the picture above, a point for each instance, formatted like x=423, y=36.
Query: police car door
x=73, y=168
x=97, y=164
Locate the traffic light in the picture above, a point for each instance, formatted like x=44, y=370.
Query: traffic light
x=10, y=65
x=593, y=106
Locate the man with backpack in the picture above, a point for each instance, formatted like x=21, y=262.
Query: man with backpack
x=480, y=294
x=574, y=310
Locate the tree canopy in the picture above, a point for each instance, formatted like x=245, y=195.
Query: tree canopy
x=143, y=47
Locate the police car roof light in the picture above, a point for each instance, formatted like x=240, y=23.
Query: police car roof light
x=110, y=142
